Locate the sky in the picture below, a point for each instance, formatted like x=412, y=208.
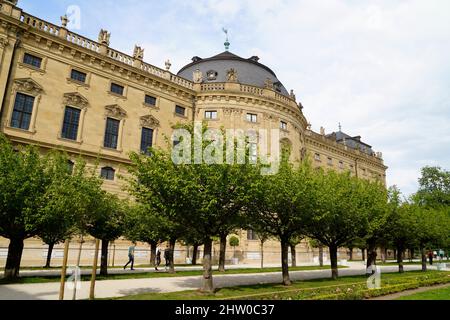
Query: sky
x=381, y=68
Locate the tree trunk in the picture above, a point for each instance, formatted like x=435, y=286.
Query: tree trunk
x=13, y=260
x=104, y=259
x=400, y=260
x=285, y=262
x=351, y=254
x=262, y=254
x=334, y=262
x=153, y=245
x=321, y=256
x=363, y=252
x=208, y=286
x=223, y=248
x=194, y=255
x=294, y=256
x=384, y=253
x=424, y=259
x=49, y=255
x=371, y=258
x=172, y=243
x=411, y=254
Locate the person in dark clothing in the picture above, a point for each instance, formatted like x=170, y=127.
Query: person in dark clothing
x=167, y=257
x=131, y=256
x=430, y=257
x=158, y=258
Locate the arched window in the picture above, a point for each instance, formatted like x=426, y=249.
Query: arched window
x=108, y=173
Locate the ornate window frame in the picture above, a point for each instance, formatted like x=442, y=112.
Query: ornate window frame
x=69, y=79
x=119, y=83
x=78, y=101
x=149, y=122
x=153, y=107
x=42, y=70
x=31, y=88
x=116, y=112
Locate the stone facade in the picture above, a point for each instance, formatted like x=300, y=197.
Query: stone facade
x=52, y=85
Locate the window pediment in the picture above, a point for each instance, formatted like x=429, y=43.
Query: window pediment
x=75, y=99
x=28, y=85
x=149, y=121
x=115, y=111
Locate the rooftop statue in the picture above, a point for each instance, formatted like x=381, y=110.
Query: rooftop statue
x=232, y=75
x=138, y=53
x=104, y=37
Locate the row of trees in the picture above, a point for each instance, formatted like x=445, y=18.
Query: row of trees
x=200, y=203
x=54, y=199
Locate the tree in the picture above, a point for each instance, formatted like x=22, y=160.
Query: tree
x=316, y=244
x=144, y=225
x=234, y=242
x=27, y=180
x=293, y=243
x=401, y=226
x=200, y=197
x=373, y=203
x=338, y=215
x=434, y=188
x=58, y=215
x=279, y=203
x=106, y=223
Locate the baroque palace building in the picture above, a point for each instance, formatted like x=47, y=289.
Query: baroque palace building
x=60, y=90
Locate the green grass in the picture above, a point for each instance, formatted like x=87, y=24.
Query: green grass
x=90, y=267
x=407, y=263
x=438, y=294
x=150, y=275
x=301, y=290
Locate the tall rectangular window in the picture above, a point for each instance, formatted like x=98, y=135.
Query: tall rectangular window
x=252, y=117
x=283, y=125
x=78, y=76
x=211, y=115
x=149, y=100
x=180, y=111
x=23, y=109
x=112, y=133
x=71, y=123
x=32, y=60
x=146, y=140
x=117, y=89
x=252, y=235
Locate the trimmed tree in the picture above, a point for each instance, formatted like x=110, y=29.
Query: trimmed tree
x=338, y=216
x=200, y=197
x=279, y=205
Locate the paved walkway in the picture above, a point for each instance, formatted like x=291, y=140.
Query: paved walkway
x=120, y=288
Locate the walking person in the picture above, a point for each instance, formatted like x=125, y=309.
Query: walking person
x=131, y=250
x=167, y=257
x=430, y=257
x=158, y=258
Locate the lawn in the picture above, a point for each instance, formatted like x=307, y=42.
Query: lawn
x=324, y=289
x=438, y=294
x=149, y=275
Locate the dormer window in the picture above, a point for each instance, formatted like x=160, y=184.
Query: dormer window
x=212, y=75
